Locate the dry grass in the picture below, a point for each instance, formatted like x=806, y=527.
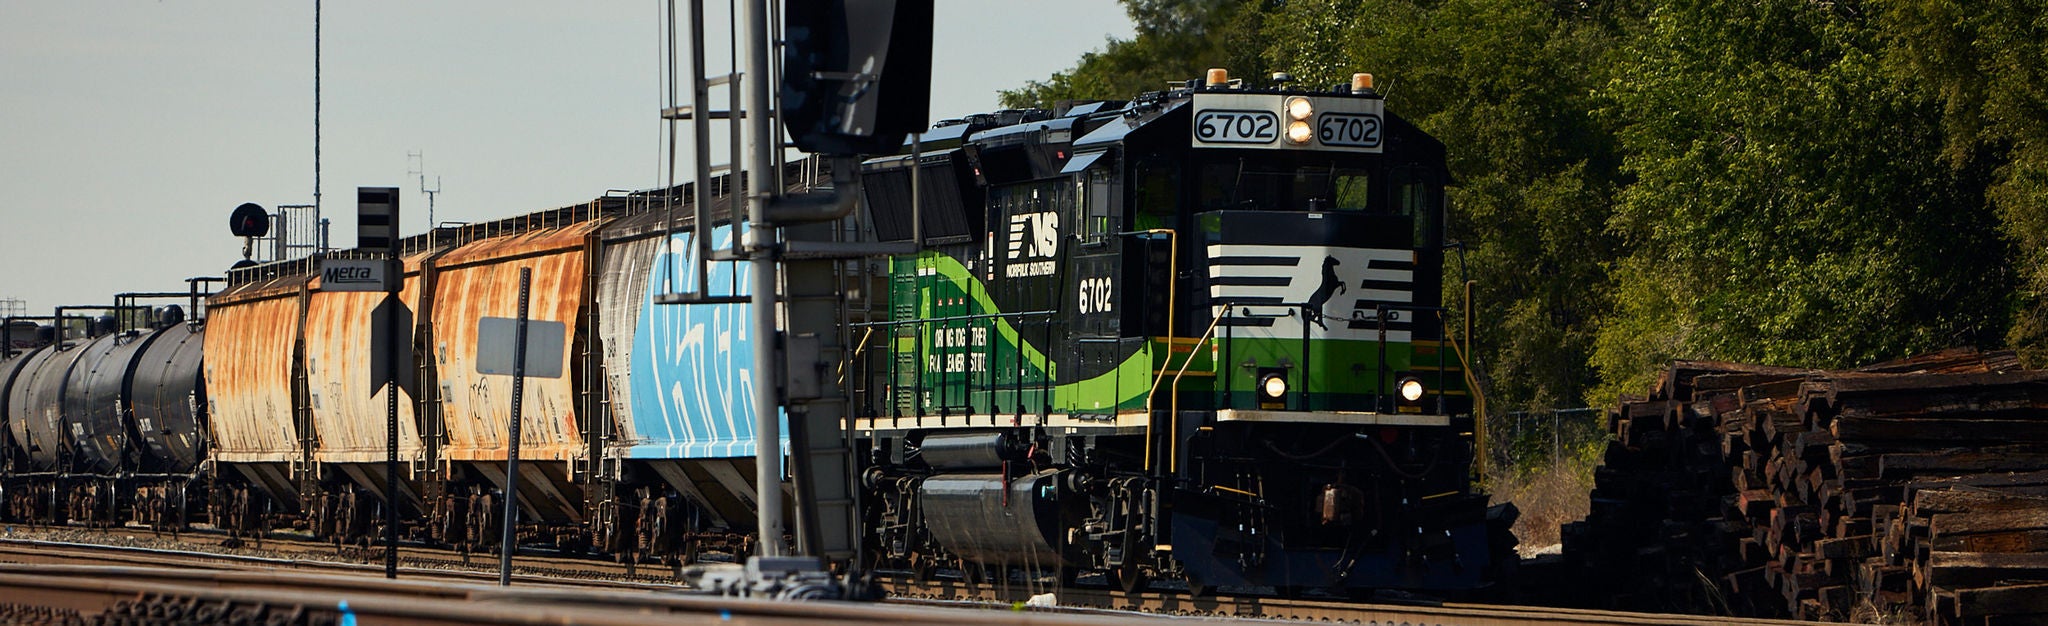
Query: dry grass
x=1548, y=497
x=1868, y=613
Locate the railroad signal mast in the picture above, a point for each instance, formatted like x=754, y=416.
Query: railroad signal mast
x=855, y=79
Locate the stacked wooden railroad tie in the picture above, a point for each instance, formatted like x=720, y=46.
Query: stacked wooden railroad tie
x=1656, y=526
x=1818, y=470
x=1968, y=549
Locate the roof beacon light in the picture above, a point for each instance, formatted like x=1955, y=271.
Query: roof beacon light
x=1361, y=82
x=1218, y=77
x=1299, y=108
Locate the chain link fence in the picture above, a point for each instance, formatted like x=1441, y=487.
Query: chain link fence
x=1543, y=462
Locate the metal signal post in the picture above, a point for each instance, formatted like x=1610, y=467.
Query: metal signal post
x=509, y=540
x=377, y=228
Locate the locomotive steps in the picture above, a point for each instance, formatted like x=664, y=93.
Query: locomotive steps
x=1910, y=490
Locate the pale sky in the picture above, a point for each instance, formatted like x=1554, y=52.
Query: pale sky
x=129, y=130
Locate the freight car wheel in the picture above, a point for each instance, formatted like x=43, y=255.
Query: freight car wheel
x=922, y=567
x=1129, y=577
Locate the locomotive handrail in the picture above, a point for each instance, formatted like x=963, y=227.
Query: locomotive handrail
x=858, y=348
x=891, y=325
x=1381, y=317
x=1173, y=406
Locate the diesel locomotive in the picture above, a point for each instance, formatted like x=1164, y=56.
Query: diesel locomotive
x=1196, y=336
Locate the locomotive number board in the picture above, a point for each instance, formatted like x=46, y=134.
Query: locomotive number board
x=1261, y=121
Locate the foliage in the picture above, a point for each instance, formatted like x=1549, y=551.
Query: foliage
x=1176, y=40
x=1784, y=206
x=1782, y=181
x=1987, y=65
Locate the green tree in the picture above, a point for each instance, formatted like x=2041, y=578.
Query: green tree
x=1986, y=63
x=1176, y=40
x=1508, y=87
x=1786, y=207
x=1780, y=181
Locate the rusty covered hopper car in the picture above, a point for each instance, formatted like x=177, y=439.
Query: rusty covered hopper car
x=295, y=415
x=479, y=280
x=251, y=373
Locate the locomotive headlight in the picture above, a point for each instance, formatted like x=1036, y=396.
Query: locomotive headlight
x=1411, y=389
x=1299, y=132
x=1299, y=108
x=1273, y=386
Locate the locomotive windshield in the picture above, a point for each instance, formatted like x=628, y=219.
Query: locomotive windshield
x=1268, y=184
x=1269, y=181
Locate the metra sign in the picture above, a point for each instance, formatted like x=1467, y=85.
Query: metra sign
x=352, y=275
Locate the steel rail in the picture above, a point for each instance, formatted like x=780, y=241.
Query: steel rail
x=1244, y=606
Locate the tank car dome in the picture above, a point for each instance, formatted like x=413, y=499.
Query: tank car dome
x=169, y=315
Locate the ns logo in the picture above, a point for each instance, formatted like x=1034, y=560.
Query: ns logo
x=1034, y=243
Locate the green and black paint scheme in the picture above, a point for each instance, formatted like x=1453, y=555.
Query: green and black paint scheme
x=1160, y=339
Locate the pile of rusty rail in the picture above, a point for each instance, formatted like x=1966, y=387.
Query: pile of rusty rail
x=1916, y=488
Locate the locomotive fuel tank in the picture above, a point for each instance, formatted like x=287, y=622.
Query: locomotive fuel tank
x=168, y=397
x=990, y=519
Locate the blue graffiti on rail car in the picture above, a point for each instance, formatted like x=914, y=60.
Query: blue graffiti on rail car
x=693, y=364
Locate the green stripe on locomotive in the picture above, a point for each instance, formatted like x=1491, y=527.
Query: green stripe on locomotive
x=967, y=355
x=964, y=354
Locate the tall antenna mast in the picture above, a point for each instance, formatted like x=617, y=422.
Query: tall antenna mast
x=420, y=170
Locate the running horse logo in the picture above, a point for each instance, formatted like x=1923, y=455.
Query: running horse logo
x=1313, y=313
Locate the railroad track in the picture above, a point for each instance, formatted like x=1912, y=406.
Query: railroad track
x=281, y=550
x=1261, y=607
x=71, y=578
x=43, y=582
